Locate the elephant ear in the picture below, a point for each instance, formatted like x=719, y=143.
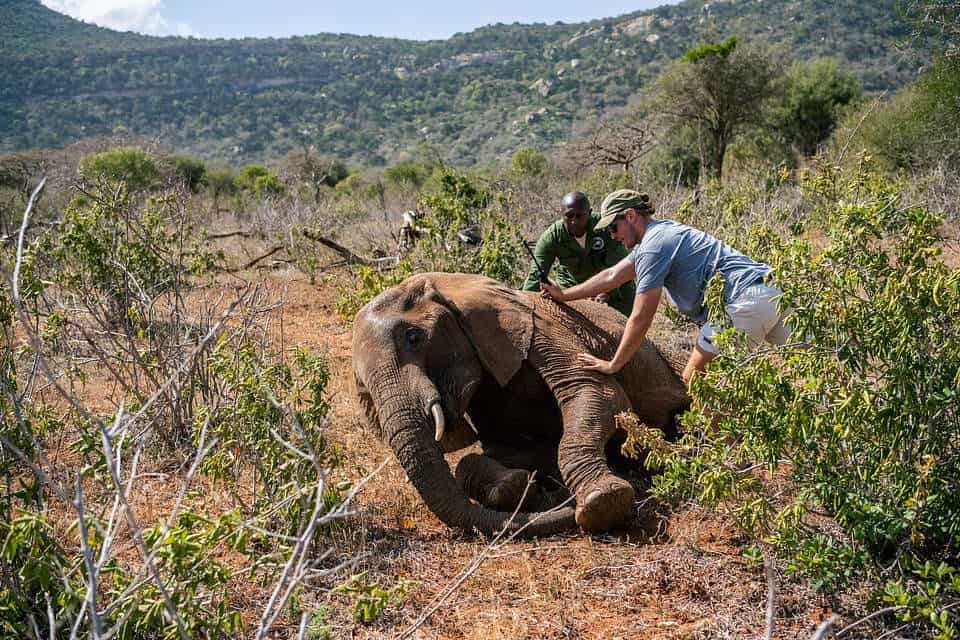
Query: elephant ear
x=498, y=320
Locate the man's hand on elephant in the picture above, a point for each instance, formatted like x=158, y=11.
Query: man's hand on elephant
x=550, y=289
x=593, y=363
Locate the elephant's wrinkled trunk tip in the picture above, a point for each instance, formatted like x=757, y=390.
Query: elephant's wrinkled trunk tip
x=438, y=420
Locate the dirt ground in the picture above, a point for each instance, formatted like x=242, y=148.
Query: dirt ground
x=666, y=575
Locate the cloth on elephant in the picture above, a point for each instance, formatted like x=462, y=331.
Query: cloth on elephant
x=577, y=262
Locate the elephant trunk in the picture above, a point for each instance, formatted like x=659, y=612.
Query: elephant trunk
x=411, y=420
x=422, y=459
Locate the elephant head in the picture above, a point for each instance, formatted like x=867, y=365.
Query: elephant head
x=420, y=352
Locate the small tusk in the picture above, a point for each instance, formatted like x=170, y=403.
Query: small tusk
x=438, y=419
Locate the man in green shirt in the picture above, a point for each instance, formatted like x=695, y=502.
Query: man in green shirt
x=581, y=252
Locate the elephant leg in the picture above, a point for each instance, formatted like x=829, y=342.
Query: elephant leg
x=541, y=457
x=604, y=500
x=588, y=403
x=490, y=483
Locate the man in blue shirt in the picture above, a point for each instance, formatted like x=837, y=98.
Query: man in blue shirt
x=673, y=256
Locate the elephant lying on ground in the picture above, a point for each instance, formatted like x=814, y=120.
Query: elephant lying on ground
x=441, y=347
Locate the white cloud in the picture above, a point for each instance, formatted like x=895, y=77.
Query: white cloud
x=143, y=16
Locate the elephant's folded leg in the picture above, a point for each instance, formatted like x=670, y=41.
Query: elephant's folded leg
x=490, y=483
x=589, y=403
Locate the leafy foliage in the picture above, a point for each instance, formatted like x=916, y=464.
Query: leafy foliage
x=920, y=126
x=860, y=411
x=814, y=101
x=716, y=90
x=130, y=165
x=369, y=598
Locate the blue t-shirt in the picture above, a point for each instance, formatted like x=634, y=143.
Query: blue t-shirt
x=682, y=259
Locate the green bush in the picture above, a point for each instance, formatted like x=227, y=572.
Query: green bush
x=369, y=283
x=134, y=167
x=861, y=411
x=527, y=164
x=411, y=175
x=256, y=180
x=919, y=127
x=815, y=97
x=455, y=207
x=192, y=171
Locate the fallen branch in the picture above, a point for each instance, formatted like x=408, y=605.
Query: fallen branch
x=349, y=256
x=253, y=262
x=228, y=234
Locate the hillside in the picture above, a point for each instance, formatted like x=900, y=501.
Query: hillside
x=475, y=96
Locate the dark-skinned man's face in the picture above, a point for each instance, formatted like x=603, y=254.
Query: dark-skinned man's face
x=575, y=219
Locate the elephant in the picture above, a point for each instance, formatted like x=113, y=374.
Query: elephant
x=444, y=360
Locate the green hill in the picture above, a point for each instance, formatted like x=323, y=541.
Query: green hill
x=476, y=96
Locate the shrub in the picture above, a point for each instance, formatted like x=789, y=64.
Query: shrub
x=527, y=163
x=192, y=171
x=862, y=416
x=256, y=180
x=919, y=127
x=130, y=165
x=816, y=94
x=411, y=175
x=455, y=209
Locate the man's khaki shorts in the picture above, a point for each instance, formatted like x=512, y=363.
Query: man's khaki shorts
x=755, y=313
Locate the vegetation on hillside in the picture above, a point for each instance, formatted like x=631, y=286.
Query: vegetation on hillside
x=369, y=100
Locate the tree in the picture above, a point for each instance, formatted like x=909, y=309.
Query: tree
x=527, y=163
x=191, y=170
x=613, y=143
x=815, y=96
x=719, y=90
x=410, y=175
x=316, y=170
x=256, y=179
x=220, y=182
x=135, y=167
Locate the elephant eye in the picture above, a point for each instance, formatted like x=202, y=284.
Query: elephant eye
x=414, y=337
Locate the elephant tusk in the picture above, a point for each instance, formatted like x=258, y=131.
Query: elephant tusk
x=438, y=419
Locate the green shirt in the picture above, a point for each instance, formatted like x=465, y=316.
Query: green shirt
x=579, y=263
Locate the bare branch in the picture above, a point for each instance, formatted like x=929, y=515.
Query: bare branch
x=23, y=231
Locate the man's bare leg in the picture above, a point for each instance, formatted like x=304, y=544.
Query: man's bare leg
x=696, y=364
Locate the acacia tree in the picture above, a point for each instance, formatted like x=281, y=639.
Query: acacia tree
x=614, y=143
x=718, y=89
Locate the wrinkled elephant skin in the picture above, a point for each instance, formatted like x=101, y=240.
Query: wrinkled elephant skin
x=442, y=360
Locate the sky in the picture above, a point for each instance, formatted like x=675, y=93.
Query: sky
x=414, y=19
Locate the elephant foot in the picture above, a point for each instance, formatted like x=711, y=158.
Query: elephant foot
x=605, y=506
x=490, y=483
x=506, y=494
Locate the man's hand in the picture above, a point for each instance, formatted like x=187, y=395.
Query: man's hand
x=550, y=289
x=592, y=363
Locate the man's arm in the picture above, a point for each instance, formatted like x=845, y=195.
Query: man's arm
x=604, y=281
x=644, y=308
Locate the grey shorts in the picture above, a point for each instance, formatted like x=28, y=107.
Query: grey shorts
x=755, y=313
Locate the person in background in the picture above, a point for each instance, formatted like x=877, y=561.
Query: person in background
x=581, y=250
x=669, y=255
